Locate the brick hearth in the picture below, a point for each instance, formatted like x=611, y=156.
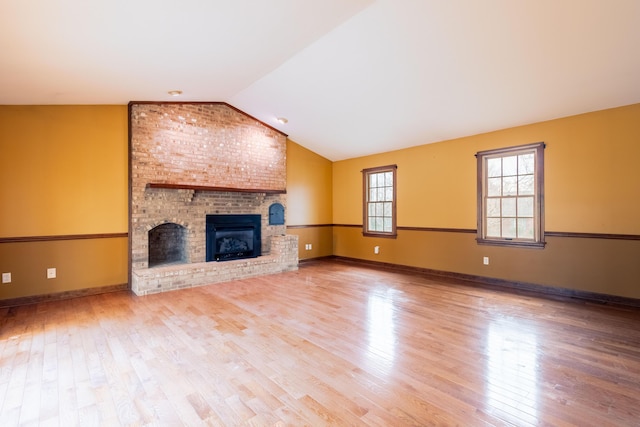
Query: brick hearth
x=282, y=257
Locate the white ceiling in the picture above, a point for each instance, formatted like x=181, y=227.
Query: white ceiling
x=354, y=77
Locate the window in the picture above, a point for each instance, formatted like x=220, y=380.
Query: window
x=511, y=196
x=380, y=201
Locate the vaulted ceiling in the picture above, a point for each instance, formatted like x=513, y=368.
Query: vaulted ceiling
x=353, y=77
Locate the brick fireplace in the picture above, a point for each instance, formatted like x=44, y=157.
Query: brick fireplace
x=189, y=161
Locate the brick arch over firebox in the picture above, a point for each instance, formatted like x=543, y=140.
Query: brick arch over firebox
x=178, y=221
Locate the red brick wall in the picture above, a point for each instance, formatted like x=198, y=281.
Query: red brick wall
x=206, y=145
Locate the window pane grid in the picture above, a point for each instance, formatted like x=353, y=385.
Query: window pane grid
x=380, y=195
x=509, y=188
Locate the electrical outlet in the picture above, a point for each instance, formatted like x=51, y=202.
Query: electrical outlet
x=485, y=260
x=51, y=273
x=376, y=250
x=6, y=277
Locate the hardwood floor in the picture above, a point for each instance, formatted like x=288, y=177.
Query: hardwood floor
x=331, y=344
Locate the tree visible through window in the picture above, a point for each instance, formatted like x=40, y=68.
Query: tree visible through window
x=510, y=196
x=380, y=201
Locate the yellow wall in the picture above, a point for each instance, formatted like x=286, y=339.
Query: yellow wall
x=309, y=201
x=63, y=172
x=591, y=186
x=591, y=175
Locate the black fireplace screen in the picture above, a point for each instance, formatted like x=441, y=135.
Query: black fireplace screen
x=233, y=237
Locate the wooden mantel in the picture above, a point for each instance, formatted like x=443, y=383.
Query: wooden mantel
x=211, y=188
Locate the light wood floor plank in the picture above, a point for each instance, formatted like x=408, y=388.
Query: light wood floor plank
x=333, y=343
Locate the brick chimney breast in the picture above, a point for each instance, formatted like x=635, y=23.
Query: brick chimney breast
x=189, y=160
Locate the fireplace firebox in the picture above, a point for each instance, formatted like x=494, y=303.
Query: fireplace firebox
x=167, y=244
x=233, y=237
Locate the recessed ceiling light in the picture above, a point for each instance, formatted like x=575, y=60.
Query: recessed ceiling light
x=175, y=92
x=282, y=120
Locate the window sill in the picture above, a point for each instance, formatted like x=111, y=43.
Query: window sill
x=512, y=243
x=383, y=235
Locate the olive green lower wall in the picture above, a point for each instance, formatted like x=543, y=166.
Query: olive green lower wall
x=605, y=266
x=320, y=237
x=81, y=264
